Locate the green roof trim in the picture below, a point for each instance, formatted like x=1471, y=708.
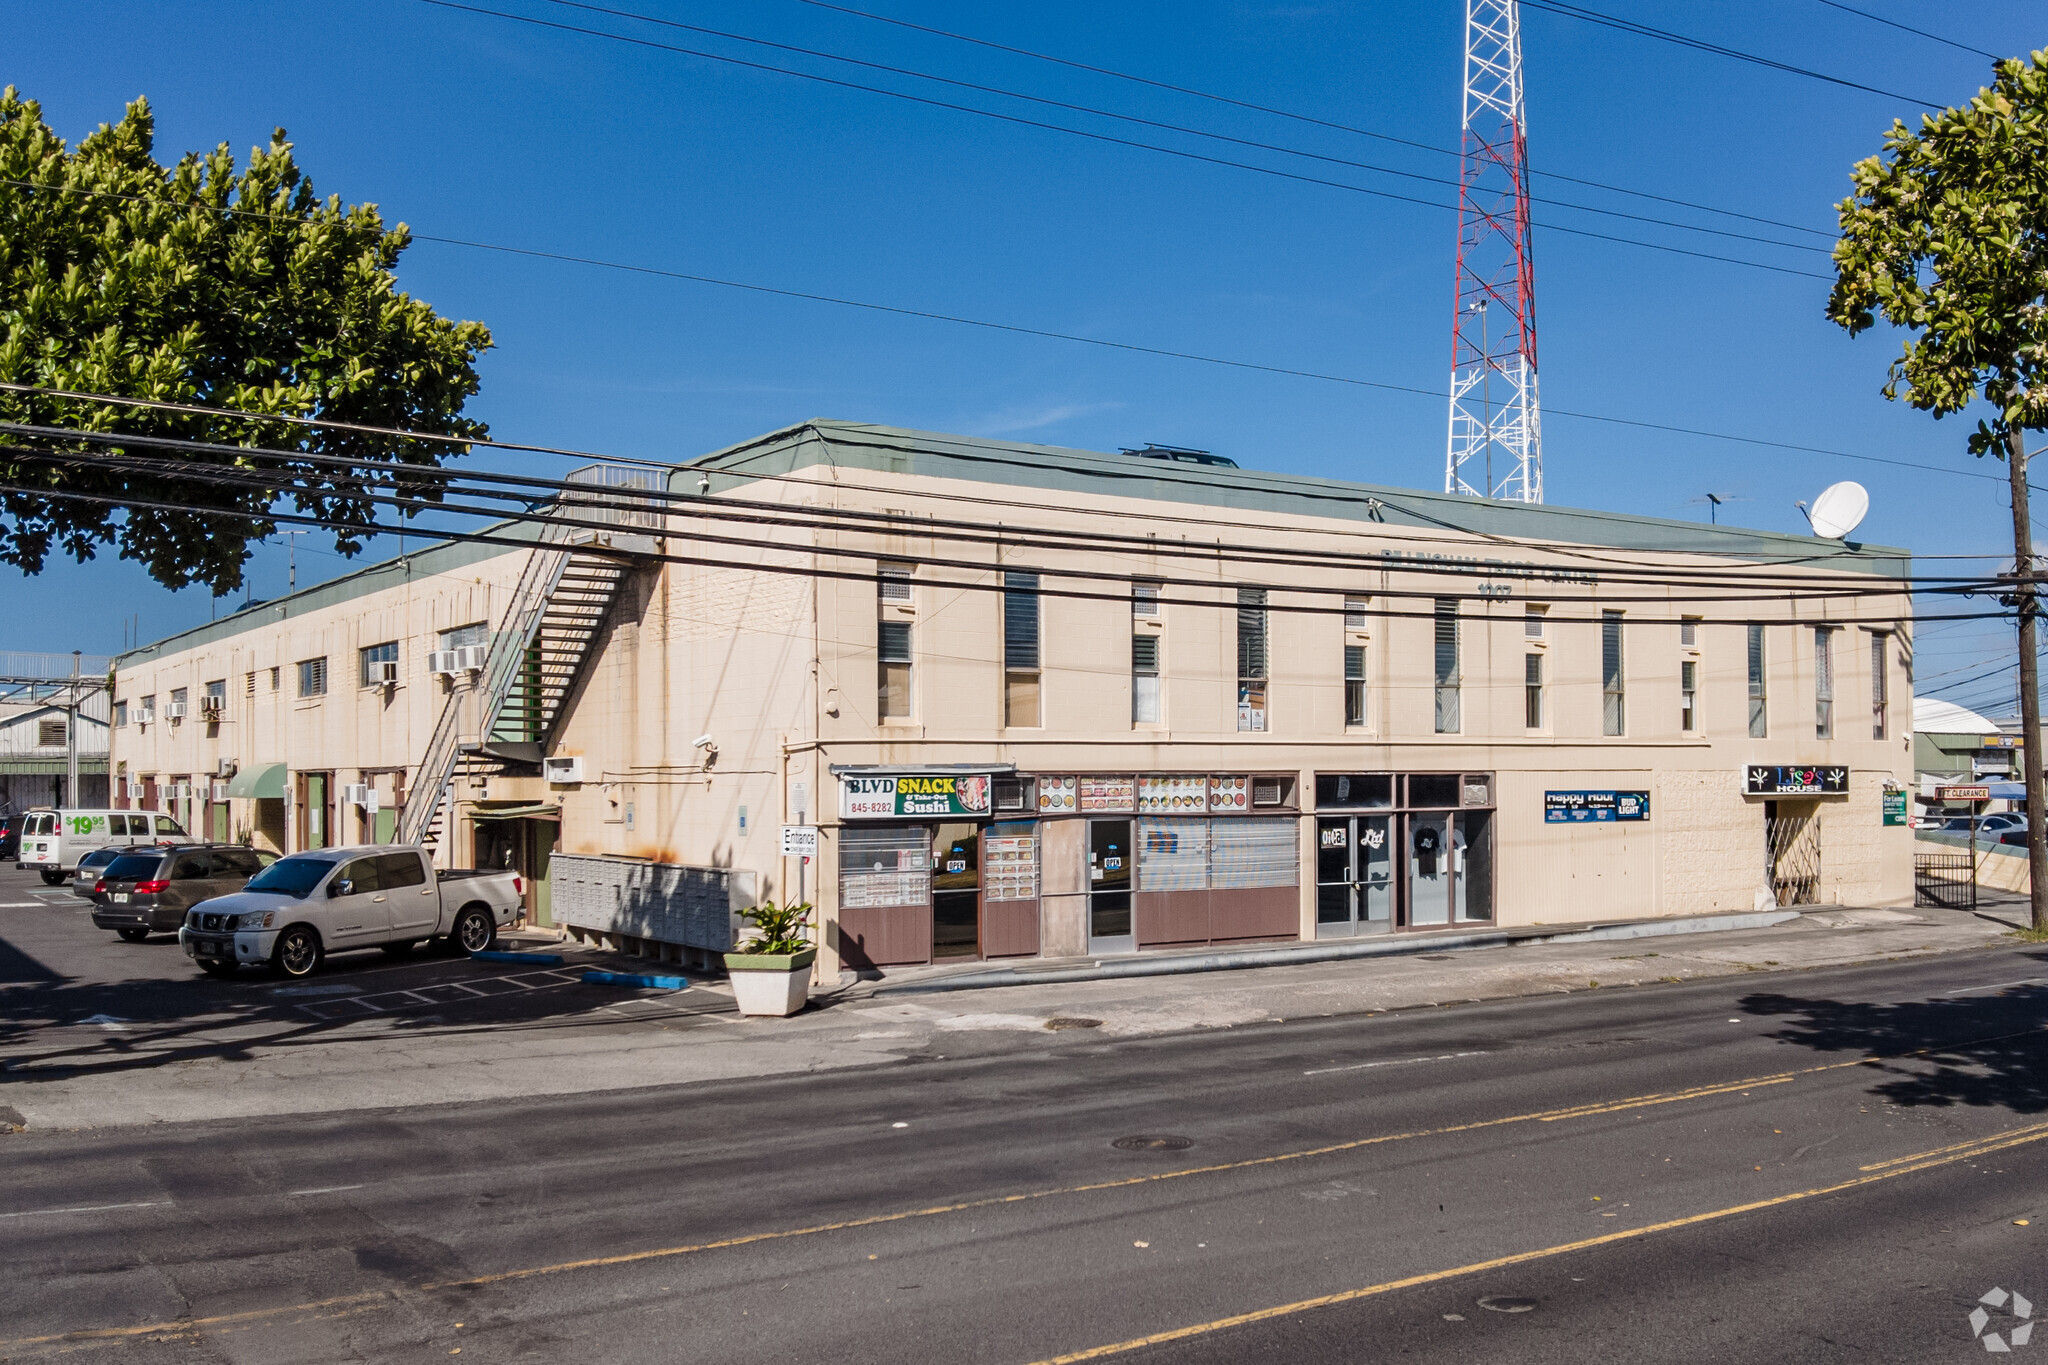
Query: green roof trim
x=50, y=767
x=1069, y=472
x=265, y=783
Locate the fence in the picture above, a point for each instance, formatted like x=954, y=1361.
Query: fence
x=1945, y=881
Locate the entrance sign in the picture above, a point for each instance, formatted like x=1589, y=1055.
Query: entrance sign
x=799, y=841
x=1763, y=779
x=914, y=794
x=1562, y=808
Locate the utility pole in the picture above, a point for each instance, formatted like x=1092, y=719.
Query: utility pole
x=71, y=738
x=2030, y=685
x=292, y=559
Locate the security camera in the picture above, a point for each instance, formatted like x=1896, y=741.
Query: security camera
x=703, y=742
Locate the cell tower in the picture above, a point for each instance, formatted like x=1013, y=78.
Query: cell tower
x=1496, y=441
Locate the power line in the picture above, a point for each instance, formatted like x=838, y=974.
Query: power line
x=1085, y=133
x=1291, y=114
x=1665, y=35
x=1009, y=535
x=1152, y=123
x=1908, y=28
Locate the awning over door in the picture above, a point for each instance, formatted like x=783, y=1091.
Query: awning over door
x=262, y=783
x=516, y=813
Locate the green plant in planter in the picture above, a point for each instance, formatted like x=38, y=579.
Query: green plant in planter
x=779, y=930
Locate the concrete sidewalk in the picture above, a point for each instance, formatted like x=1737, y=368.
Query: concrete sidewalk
x=75, y=1075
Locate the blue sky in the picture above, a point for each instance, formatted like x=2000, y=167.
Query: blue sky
x=473, y=127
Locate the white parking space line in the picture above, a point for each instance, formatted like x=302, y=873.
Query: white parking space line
x=2000, y=986
x=420, y=997
x=323, y=1189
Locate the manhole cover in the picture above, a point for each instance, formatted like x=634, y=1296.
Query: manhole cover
x=1064, y=1022
x=1152, y=1143
x=1501, y=1303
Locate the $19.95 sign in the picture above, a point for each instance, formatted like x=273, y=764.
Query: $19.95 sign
x=913, y=795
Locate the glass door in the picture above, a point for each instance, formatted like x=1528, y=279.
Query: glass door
x=1375, y=873
x=1429, y=869
x=1354, y=875
x=1334, y=911
x=956, y=891
x=1110, y=928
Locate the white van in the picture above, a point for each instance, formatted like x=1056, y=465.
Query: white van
x=52, y=841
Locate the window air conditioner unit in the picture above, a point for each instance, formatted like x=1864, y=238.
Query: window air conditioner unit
x=174, y=710
x=384, y=671
x=442, y=661
x=220, y=791
x=562, y=771
x=356, y=793
x=181, y=791
x=145, y=716
x=225, y=768
x=211, y=707
x=135, y=790
x=470, y=657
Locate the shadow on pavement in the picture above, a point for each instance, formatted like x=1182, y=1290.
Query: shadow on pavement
x=1987, y=1048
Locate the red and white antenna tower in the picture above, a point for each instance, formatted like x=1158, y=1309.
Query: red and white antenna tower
x=1496, y=443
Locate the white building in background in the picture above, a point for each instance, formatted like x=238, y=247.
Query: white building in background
x=35, y=754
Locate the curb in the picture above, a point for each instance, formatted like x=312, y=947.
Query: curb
x=494, y=955
x=652, y=983
x=1336, y=952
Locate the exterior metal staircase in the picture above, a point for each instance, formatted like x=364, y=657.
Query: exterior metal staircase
x=542, y=644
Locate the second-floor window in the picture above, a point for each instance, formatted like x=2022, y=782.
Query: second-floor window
x=120, y=714
x=475, y=633
x=1532, y=691
x=1251, y=658
x=1688, y=695
x=1532, y=623
x=145, y=710
x=1823, y=682
x=1020, y=650
x=893, y=582
x=1613, y=713
x=50, y=733
x=180, y=700
x=1354, y=685
x=1449, y=719
x=1759, y=726
x=313, y=677
x=370, y=657
x=1880, y=683
x=215, y=704
x=1146, y=708
x=1144, y=599
x=893, y=680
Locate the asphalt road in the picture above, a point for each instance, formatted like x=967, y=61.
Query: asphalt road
x=1707, y=1171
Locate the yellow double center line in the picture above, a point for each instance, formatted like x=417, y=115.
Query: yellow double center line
x=193, y=1326
x=1907, y=1165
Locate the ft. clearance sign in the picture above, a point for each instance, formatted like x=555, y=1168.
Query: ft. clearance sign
x=919, y=795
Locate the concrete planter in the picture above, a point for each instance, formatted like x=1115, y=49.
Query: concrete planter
x=772, y=985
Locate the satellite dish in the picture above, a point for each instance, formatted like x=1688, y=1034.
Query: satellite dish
x=1839, y=509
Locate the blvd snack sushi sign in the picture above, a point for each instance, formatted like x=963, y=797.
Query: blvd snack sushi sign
x=914, y=795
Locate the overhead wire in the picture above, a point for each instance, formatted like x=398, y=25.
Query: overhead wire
x=1003, y=535
x=1908, y=28
x=730, y=36
x=1309, y=119
x=1108, y=138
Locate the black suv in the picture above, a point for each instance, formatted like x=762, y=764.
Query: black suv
x=149, y=889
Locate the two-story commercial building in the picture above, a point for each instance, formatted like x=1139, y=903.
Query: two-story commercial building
x=1045, y=702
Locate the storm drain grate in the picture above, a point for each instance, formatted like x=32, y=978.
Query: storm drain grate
x=1067, y=1021
x=1144, y=1142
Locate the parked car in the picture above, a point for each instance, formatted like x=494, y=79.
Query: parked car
x=385, y=896
x=10, y=836
x=91, y=868
x=149, y=890
x=52, y=841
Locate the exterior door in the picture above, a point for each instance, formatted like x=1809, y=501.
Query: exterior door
x=411, y=902
x=1110, y=929
x=363, y=913
x=1429, y=869
x=1354, y=875
x=956, y=891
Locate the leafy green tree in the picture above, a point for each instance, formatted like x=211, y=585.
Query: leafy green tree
x=1946, y=237
x=204, y=283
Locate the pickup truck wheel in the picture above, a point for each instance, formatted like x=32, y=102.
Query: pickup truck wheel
x=297, y=952
x=52, y=878
x=475, y=930
x=132, y=935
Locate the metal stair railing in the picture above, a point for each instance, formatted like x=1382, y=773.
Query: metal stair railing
x=537, y=581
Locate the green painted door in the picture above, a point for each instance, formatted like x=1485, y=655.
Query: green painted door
x=384, y=826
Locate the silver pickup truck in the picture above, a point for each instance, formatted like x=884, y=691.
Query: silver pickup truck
x=299, y=909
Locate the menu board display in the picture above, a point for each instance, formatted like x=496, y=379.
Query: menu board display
x=1056, y=795
x=1175, y=795
x=1233, y=794
x=1108, y=793
x=1009, y=868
